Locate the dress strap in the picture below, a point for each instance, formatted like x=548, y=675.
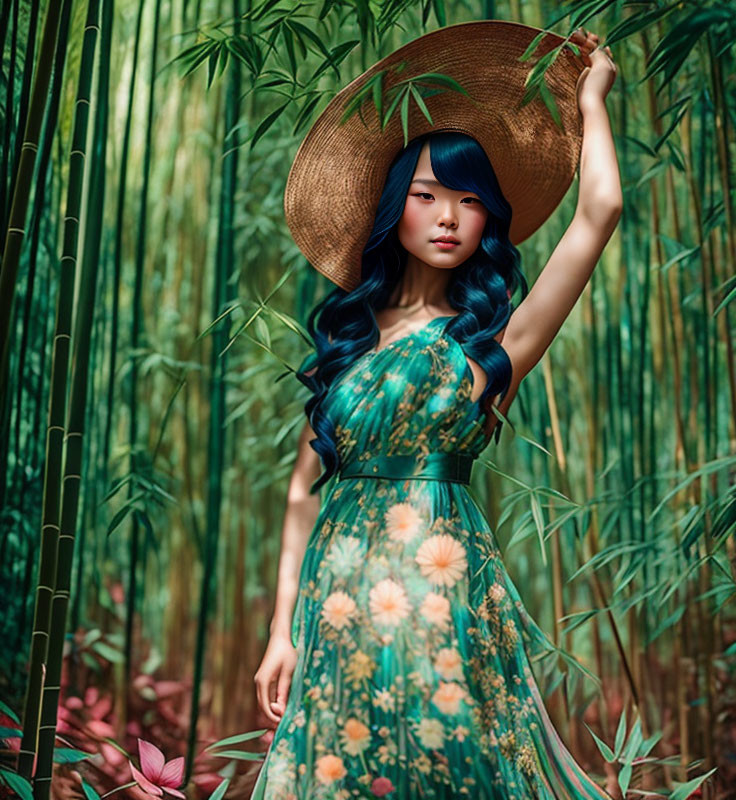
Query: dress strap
x=437, y=466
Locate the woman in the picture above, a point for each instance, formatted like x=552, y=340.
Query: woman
x=404, y=669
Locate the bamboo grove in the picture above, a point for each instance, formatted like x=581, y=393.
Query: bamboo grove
x=152, y=309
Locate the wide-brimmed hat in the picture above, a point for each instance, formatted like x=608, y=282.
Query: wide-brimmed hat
x=340, y=168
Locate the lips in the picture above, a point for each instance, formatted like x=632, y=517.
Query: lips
x=449, y=239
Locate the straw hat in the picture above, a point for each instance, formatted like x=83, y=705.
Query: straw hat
x=339, y=170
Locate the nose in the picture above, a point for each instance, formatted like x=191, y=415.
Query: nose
x=447, y=216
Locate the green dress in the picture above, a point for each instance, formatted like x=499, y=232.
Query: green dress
x=413, y=675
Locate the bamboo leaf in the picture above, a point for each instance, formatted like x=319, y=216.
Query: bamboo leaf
x=239, y=755
x=17, y=783
x=397, y=96
x=436, y=77
x=89, y=791
x=267, y=123
x=539, y=524
x=377, y=84
x=238, y=738
x=606, y=751
x=337, y=55
x=288, y=38
x=219, y=792
x=624, y=778
x=550, y=102
x=68, y=755
x=420, y=102
x=212, y=65
x=405, y=116
x=439, y=12
x=296, y=37
x=6, y=709
x=620, y=733
x=684, y=790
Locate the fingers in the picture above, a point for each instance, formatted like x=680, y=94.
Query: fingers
x=282, y=692
x=278, y=706
x=589, y=42
x=264, y=701
x=585, y=43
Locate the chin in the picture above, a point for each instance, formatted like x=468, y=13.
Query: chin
x=446, y=263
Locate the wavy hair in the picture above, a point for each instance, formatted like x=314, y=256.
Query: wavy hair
x=479, y=289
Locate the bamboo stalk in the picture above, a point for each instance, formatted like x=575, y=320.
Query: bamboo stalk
x=136, y=327
x=75, y=426
x=57, y=401
x=16, y=227
x=22, y=103
x=21, y=184
x=222, y=292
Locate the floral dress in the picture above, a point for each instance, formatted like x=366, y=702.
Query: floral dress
x=413, y=676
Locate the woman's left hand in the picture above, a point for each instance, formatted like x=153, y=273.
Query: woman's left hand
x=596, y=80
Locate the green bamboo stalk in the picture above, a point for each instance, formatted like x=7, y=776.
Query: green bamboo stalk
x=26, y=169
x=57, y=403
x=16, y=226
x=8, y=114
x=75, y=426
x=21, y=104
x=222, y=292
x=34, y=231
x=727, y=191
x=93, y=227
x=119, y=229
x=136, y=327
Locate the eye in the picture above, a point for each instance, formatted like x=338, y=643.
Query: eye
x=472, y=199
x=423, y=194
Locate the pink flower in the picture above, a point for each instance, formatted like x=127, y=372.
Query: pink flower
x=158, y=775
x=382, y=786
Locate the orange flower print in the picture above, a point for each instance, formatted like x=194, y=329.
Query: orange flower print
x=388, y=602
x=461, y=733
x=431, y=733
x=441, y=559
x=360, y=667
x=356, y=737
x=402, y=522
x=449, y=664
x=497, y=593
x=447, y=698
x=384, y=700
x=338, y=609
x=329, y=768
x=435, y=609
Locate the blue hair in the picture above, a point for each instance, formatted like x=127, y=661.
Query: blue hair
x=479, y=289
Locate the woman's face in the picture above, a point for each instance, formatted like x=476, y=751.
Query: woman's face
x=431, y=211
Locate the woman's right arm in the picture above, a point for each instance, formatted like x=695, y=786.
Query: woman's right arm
x=302, y=509
x=273, y=676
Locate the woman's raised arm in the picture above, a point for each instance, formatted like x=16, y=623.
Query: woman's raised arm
x=539, y=316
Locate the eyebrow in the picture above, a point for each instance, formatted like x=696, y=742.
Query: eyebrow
x=430, y=182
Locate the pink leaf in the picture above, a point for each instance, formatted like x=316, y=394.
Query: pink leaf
x=173, y=773
x=152, y=760
x=143, y=781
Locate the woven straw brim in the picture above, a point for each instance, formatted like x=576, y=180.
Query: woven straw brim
x=339, y=170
